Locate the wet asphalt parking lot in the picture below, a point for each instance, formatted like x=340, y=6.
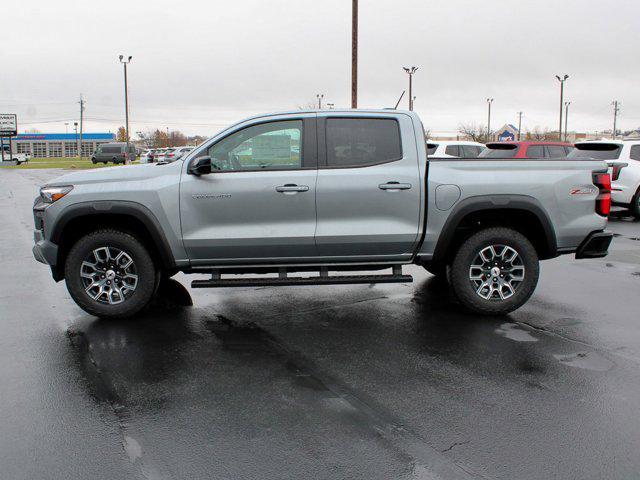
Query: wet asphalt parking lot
x=353, y=382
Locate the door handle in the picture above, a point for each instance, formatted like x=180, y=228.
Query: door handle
x=292, y=188
x=394, y=186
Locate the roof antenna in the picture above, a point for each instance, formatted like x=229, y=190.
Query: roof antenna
x=401, y=95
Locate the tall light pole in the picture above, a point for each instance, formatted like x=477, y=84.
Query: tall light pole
x=126, y=102
x=320, y=96
x=616, y=110
x=561, y=80
x=410, y=71
x=519, y=124
x=566, y=119
x=354, y=54
x=66, y=127
x=489, y=102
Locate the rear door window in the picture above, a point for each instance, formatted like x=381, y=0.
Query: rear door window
x=535, y=151
x=470, y=151
x=635, y=152
x=358, y=142
x=453, y=150
x=556, y=151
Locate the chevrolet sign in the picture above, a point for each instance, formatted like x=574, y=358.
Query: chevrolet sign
x=8, y=124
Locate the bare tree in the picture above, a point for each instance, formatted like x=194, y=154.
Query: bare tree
x=538, y=134
x=476, y=133
x=427, y=133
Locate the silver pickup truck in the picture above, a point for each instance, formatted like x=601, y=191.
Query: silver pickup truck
x=317, y=198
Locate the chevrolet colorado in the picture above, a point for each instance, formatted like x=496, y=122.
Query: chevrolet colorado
x=275, y=197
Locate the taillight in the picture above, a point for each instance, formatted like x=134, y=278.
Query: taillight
x=616, y=169
x=603, y=200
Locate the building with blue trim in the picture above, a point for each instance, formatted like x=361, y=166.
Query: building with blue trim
x=58, y=144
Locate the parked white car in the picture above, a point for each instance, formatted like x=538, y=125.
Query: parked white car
x=174, y=154
x=623, y=157
x=454, y=149
x=160, y=153
x=144, y=156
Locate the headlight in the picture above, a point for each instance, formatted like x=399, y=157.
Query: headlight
x=53, y=194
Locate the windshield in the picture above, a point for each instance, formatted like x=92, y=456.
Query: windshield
x=505, y=150
x=595, y=151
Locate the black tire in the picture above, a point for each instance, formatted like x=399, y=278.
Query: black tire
x=502, y=293
x=145, y=270
x=634, y=208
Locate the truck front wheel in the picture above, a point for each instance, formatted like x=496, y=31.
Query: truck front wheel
x=495, y=271
x=110, y=274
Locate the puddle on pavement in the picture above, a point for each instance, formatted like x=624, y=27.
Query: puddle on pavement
x=515, y=333
x=586, y=360
x=132, y=448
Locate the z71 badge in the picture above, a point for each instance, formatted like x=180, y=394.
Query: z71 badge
x=583, y=191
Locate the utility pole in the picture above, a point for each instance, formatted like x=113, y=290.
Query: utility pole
x=616, y=110
x=66, y=127
x=561, y=80
x=566, y=119
x=320, y=96
x=489, y=102
x=410, y=71
x=126, y=103
x=75, y=128
x=519, y=124
x=354, y=54
x=81, y=125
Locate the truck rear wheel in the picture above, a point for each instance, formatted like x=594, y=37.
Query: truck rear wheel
x=110, y=274
x=495, y=271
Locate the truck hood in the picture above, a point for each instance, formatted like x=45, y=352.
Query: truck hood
x=125, y=173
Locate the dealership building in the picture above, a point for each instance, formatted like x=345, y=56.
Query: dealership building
x=58, y=144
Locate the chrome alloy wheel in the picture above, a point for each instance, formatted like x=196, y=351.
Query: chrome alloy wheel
x=496, y=272
x=109, y=275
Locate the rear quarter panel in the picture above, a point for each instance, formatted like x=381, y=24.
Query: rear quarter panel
x=552, y=184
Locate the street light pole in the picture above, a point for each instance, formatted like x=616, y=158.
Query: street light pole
x=566, y=119
x=410, y=71
x=354, y=54
x=126, y=102
x=616, y=109
x=489, y=102
x=320, y=96
x=561, y=80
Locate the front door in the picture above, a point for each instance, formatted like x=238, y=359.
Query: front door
x=368, y=193
x=258, y=204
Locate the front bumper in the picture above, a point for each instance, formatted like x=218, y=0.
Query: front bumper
x=596, y=245
x=44, y=251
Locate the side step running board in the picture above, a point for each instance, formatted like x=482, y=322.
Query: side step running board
x=284, y=280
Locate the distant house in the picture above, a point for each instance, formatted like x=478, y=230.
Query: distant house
x=507, y=133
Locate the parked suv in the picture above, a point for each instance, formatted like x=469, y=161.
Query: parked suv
x=527, y=149
x=318, y=191
x=113, y=152
x=623, y=157
x=454, y=149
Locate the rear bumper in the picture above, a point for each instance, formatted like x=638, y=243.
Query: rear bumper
x=596, y=245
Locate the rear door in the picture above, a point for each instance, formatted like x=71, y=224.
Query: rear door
x=368, y=192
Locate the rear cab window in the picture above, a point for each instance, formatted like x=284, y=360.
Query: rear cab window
x=556, y=151
x=360, y=142
x=500, y=150
x=596, y=151
x=453, y=150
x=431, y=148
x=535, y=151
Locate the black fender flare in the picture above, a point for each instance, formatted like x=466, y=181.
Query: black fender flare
x=494, y=202
x=117, y=207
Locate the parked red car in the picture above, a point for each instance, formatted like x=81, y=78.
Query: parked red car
x=527, y=149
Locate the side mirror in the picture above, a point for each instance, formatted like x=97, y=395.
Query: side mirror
x=200, y=166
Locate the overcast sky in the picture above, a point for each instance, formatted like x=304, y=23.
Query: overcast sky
x=200, y=65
